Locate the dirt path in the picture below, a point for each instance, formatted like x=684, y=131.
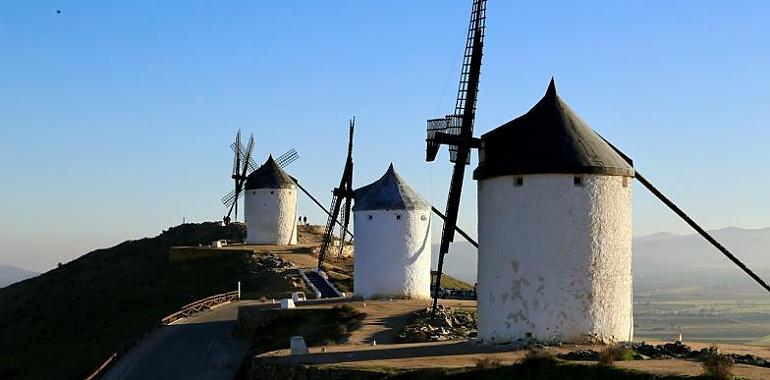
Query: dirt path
x=385, y=319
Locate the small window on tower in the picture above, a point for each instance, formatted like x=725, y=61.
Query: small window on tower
x=253, y=193
x=369, y=217
x=625, y=181
x=398, y=216
x=518, y=181
x=423, y=217
x=578, y=180
x=272, y=191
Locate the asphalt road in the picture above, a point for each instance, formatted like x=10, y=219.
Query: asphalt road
x=199, y=347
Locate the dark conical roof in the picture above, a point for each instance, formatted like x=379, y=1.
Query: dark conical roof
x=269, y=176
x=390, y=192
x=550, y=138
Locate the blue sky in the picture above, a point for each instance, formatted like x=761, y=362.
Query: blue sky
x=116, y=116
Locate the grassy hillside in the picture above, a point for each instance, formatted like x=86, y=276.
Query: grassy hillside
x=63, y=323
x=449, y=282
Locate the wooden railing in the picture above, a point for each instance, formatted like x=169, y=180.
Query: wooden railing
x=186, y=311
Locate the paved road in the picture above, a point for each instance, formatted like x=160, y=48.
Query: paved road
x=200, y=347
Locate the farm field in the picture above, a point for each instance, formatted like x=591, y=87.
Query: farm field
x=702, y=314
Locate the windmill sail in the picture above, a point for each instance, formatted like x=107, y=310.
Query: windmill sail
x=456, y=130
x=341, y=194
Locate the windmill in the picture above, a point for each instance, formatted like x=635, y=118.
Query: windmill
x=456, y=130
x=340, y=194
x=243, y=164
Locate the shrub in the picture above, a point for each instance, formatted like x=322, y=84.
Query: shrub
x=487, y=363
x=538, y=358
x=716, y=364
x=613, y=353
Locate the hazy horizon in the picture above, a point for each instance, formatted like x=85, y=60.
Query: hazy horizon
x=464, y=248
x=663, y=258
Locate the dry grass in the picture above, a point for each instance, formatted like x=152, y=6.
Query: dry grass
x=449, y=282
x=614, y=353
x=538, y=358
x=488, y=363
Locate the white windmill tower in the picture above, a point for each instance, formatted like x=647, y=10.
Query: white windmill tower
x=554, y=222
x=393, y=242
x=270, y=205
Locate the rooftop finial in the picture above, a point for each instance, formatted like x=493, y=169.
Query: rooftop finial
x=551, y=91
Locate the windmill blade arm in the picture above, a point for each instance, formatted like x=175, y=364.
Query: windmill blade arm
x=252, y=165
x=345, y=223
x=230, y=208
x=247, y=157
x=230, y=198
x=458, y=229
x=701, y=231
x=287, y=158
x=319, y=204
x=686, y=218
x=236, y=159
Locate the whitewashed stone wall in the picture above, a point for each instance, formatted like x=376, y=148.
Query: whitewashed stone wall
x=555, y=258
x=271, y=216
x=392, y=255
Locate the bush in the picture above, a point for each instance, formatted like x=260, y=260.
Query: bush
x=487, y=363
x=613, y=353
x=538, y=358
x=716, y=364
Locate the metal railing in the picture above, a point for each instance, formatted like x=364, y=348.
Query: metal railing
x=185, y=311
x=199, y=306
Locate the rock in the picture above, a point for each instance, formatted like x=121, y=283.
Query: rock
x=449, y=324
x=271, y=262
x=677, y=349
x=750, y=360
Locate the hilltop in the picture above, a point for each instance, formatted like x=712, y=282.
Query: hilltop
x=71, y=317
